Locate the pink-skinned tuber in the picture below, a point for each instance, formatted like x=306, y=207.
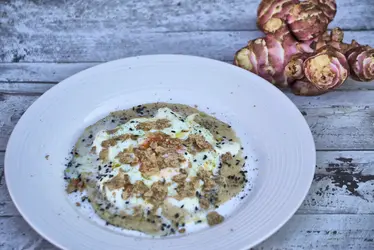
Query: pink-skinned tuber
x=325, y=69
x=306, y=20
x=298, y=52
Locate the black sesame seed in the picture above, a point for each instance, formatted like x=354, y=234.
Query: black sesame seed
x=205, y=157
x=102, y=209
x=194, y=160
x=127, y=202
x=217, y=133
x=162, y=228
x=113, y=121
x=176, y=215
x=229, y=126
x=107, y=206
x=186, y=153
x=153, y=221
x=123, y=217
x=107, y=223
x=90, y=136
x=246, y=157
x=177, y=224
x=172, y=230
x=99, y=168
x=199, y=221
x=196, y=208
x=148, y=212
x=130, y=129
x=173, y=131
x=110, y=176
x=163, y=224
x=168, y=226
x=83, y=140
x=182, y=206
x=241, y=148
x=183, y=224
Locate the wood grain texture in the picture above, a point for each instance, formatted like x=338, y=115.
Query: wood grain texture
x=55, y=72
x=302, y=232
x=339, y=120
x=157, y=16
x=104, y=45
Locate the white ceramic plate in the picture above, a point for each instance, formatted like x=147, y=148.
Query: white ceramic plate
x=271, y=128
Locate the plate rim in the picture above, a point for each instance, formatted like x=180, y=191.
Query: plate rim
x=56, y=87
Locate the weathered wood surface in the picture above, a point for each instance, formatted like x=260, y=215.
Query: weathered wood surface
x=45, y=41
x=157, y=16
x=340, y=120
x=98, y=46
x=55, y=72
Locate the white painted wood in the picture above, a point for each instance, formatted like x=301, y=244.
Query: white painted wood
x=109, y=44
x=302, y=232
x=157, y=16
x=64, y=37
x=40, y=72
x=11, y=109
x=338, y=120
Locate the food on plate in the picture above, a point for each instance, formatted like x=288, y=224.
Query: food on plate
x=157, y=168
x=297, y=52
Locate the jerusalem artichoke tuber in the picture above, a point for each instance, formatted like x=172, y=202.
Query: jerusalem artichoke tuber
x=306, y=20
x=361, y=60
x=268, y=56
x=299, y=53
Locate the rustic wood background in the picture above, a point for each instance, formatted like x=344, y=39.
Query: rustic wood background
x=44, y=41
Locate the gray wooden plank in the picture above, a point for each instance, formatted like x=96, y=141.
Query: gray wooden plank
x=28, y=45
x=42, y=73
x=339, y=120
x=11, y=109
x=157, y=16
x=302, y=232
x=343, y=184
x=25, y=88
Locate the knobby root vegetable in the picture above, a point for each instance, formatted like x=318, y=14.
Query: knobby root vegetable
x=306, y=20
x=268, y=56
x=360, y=58
x=324, y=70
x=299, y=53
